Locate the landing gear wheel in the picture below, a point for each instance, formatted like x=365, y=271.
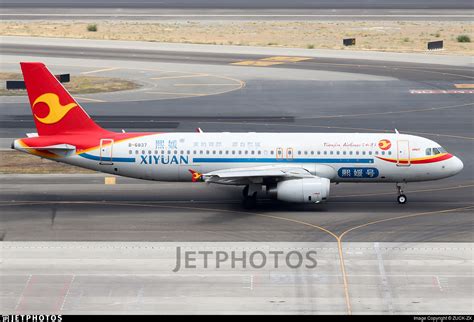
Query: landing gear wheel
x=250, y=202
x=402, y=199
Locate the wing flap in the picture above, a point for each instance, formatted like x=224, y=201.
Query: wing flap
x=246, y=175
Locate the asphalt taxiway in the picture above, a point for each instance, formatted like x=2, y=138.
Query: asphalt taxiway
x=238, y=10
x=376, y=256
x=248, y=92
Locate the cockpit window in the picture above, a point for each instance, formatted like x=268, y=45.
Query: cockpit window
x=435, y=151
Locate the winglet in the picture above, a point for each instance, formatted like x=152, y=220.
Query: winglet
x=199, y=130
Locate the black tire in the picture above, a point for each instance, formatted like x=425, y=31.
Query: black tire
x=402, y=199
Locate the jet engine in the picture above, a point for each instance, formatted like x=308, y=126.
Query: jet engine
x=306, y=190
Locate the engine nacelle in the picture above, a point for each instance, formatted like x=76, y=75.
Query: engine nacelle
x=307, y=190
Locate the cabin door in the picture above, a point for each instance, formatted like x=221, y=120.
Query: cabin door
x=106, y=148
x=403, y=153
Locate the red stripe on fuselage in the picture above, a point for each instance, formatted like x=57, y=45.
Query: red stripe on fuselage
x=421, y=161
x=435, y=159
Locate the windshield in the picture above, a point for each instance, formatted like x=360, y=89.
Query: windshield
x=435, y=151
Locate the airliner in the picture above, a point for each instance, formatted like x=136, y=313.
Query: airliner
x=292, y=167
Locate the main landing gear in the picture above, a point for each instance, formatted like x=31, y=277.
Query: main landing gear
x=250, y=198
x=402, y=199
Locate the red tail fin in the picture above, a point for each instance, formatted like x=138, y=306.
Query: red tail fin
x=54, y=109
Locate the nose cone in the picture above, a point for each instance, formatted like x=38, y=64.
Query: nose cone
x=456, y=165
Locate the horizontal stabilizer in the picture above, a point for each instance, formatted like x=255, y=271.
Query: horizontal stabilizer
x=53, y=148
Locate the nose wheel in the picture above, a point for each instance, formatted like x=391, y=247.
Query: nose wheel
x=402, y=199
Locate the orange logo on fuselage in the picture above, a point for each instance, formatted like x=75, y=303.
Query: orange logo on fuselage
x=196, y=176
x=385, y=144
x=56, y=110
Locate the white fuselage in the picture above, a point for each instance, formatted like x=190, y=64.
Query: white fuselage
x=340, y=157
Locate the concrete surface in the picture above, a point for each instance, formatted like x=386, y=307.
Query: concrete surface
x=138, y=278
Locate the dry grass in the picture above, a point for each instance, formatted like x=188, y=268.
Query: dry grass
x=78, y=84
x=399, y=36
x=16, y=162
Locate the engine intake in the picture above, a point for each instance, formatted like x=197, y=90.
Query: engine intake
x=307, y=190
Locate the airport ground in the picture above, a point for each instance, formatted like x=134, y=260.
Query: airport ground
x=394, y=36
x=74, y=245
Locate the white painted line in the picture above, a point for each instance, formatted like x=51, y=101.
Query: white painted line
x=387, y=295
x=441, y=91
x=67, y=293
x=174, y=93
x=20, y=300
x=89, y=99
x=100, y=70
x=206, y=84
x=183, y=76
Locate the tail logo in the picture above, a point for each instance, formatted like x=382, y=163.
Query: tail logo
x=56, y=111
x=385, y=144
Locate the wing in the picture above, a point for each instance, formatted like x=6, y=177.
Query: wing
x=262, y=175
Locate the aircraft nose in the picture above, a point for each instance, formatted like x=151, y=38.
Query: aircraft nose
x=457, y=165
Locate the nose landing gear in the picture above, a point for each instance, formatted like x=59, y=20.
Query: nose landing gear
x=402, y=199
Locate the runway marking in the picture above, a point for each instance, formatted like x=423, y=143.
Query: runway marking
x=257, y=63
x=178, y=93
x=441, y=91
x=89, y=99
x=100, y=70
x=405, y=217
x=239, y=84
x=387, y=295
x=19, y=304
x=428, y=109
x=270, y=61
x=205, y=84
x=419, y=69
x=464, y=85
x=337, y=237
x=286, y=59
x=182, y=76
x=65, y=294
x=339, y=127
x=411, y=191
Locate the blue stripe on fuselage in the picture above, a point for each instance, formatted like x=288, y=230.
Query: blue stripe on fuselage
x=274, y=160
x=113, y=159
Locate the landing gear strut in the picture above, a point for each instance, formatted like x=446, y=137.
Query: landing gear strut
x=401, y=197
x=250, y=198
